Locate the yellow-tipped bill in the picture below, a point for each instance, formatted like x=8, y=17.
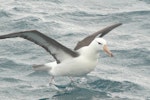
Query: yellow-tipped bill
x=105, y=48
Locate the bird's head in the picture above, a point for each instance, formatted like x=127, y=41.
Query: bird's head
x=100, y=42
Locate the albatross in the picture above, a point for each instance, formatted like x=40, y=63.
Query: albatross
x=73, y=63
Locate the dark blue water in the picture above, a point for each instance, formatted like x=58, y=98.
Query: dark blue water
x=124, y=77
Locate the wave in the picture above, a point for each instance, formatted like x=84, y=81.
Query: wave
x=114, y=86
x=147, y=1
x=5, y=14
x=95, y=90
x=11, y=80
x=134, y=57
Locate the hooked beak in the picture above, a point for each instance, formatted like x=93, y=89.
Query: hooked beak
x=105, y=48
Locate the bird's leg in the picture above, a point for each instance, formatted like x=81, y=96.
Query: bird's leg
x=52, y=81
x=71, y=79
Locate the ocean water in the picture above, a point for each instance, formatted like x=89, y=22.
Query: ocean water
x=126, y=76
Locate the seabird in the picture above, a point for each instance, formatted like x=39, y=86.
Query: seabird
x=72, y=63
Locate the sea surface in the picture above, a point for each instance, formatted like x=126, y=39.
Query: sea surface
x=126, y=76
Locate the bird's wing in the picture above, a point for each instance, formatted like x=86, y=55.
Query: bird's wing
x=86, y=41
x=57, y=50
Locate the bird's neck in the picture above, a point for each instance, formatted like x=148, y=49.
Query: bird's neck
x=89, y=53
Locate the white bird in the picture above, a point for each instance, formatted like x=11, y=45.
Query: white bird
x=72, y=63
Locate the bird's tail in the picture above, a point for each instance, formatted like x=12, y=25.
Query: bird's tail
x=41, y=67
x=44, y=67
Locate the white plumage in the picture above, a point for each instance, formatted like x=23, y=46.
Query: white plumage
x=77, y=62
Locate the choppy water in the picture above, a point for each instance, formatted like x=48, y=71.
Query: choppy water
x=124, y=77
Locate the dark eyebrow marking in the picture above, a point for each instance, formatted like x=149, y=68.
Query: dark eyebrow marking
x=99, y=43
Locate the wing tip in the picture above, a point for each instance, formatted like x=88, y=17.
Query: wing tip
x=109, y=28
x=118, y=24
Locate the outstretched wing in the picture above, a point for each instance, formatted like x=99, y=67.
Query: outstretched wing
x=57, y=50
x=86, y=41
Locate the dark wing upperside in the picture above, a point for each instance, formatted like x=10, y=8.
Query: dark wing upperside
x=86, y=41
x=57, y=50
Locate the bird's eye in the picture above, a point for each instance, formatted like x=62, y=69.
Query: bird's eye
x=98, y=42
